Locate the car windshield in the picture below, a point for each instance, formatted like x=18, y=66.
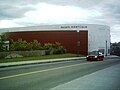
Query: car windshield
x=93, y=53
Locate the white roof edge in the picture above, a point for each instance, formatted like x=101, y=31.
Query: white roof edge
x=51, y=27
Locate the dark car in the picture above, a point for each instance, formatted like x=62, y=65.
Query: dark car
x=95, y=56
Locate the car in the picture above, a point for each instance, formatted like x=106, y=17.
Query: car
x=95, y=56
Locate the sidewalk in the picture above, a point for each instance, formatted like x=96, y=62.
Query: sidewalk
x=8, y=64
x=106, y=79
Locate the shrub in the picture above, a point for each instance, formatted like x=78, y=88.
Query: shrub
x=18, y=45
x=48, y=47
x=58, y=49
x=54, y=48
x=35, y=45
x=22, y=45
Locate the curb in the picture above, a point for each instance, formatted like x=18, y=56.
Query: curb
x=111, y=57
x=10, y=64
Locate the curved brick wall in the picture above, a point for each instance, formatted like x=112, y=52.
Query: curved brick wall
x=68, y=39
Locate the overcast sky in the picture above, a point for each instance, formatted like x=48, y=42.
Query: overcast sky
x=18, y=13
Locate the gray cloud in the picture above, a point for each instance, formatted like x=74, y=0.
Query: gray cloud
x=78, y=3
x=110, y=9
x=8, y=12
x=18, y=2
x=16, y=8
x=10, y=9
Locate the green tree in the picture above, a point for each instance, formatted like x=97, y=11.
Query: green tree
x=115, y=49
x=3, y=39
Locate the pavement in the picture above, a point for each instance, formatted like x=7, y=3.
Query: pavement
x=9, y=64
x=105, y=79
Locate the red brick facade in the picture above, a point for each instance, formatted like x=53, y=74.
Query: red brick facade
x=68, y=39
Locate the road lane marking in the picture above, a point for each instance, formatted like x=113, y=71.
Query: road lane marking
x=29, y=73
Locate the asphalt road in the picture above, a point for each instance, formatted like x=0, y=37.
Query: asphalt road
x=49, y=75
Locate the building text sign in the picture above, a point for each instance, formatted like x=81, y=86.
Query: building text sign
x=79, y=26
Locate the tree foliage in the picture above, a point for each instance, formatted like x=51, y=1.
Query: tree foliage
x=3, y=39
x=35, y=45
x=48, y=46
x=115, y=49
x=22, y=45
x=56, y=48
x=18, y=45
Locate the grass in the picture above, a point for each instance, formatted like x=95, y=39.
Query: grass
x=38, y=58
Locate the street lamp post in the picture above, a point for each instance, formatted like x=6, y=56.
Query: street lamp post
x=106, y=47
